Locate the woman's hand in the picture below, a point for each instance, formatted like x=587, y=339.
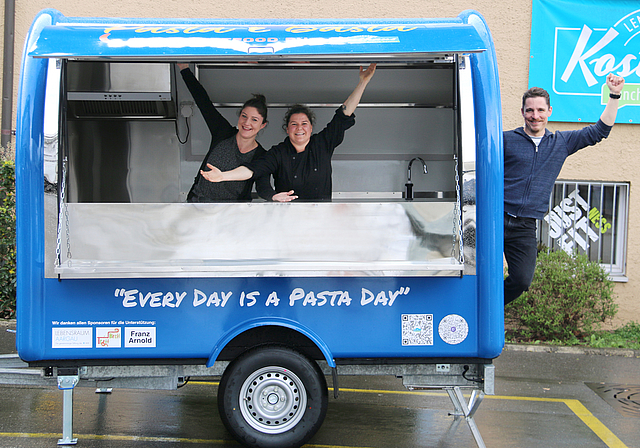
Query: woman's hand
x=182, y=65
x=367, y=73
x=213, y=175
x=353, y=100
x=285, y=196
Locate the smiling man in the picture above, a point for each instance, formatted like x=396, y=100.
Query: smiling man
x=533, y=158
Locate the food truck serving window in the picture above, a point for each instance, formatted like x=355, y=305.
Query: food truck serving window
x=130, y=142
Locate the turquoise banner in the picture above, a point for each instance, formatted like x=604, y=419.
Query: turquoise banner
x=575, y=44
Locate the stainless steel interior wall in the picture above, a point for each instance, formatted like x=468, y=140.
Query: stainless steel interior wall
x=123, y=161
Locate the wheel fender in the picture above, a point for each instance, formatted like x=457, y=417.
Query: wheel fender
x=270, y=321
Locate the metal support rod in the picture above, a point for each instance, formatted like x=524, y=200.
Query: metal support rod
x=474, y=402
x=66, y=384
x=461, y=410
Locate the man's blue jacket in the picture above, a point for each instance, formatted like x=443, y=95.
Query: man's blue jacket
x=530, y=173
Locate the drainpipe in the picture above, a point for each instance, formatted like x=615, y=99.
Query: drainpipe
x=7, y=77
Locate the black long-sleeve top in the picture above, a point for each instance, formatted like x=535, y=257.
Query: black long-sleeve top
x=307, y=173
x=223, y=153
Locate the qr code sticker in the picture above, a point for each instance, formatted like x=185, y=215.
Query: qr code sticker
x=417, y=329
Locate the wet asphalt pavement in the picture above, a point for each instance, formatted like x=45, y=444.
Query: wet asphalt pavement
x=570, y=398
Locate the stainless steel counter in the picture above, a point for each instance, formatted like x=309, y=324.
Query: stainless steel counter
x=369, y=237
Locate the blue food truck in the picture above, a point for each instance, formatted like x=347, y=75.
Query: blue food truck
x=123, y=282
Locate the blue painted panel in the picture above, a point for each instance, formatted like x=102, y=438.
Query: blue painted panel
x=490, y=192
x=30, y=197
x=186, y=318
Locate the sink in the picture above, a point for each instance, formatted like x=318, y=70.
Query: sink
x=392, y=196
x=434, y=194
x=375, y=195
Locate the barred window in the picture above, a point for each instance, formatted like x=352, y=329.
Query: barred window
x=590, y=218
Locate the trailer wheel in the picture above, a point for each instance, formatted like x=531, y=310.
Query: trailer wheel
x=272, y=397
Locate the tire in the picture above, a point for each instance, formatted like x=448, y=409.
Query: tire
x=272, y=397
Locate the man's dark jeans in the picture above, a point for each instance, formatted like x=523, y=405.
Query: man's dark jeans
x=520, y=251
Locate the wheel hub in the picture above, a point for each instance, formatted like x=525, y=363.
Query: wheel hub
x=273, y=400
x=273, y=397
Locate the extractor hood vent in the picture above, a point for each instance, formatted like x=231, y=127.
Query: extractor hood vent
x=82, y=107
x=119, y=90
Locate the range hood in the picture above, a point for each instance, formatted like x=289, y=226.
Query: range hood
x=119, y=90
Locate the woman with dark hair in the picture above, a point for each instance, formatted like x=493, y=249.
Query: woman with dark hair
x=230, y=146
x=301, y=164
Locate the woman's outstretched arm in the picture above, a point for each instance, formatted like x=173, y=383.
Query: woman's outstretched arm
x=353, y=100
x=215, y=175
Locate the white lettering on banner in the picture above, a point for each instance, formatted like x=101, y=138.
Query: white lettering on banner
x=598, y=52
x=633, y=23
x=220, y=299
x=569, y=223
x=579, y=55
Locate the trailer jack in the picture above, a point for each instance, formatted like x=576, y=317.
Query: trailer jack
x=66, y=383
x=462, y=410
x=479, y=378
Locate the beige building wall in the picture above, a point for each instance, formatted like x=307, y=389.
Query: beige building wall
x=510, y=25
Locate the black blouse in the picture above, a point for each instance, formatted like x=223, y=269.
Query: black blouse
x=307, y=173
x=202, y=190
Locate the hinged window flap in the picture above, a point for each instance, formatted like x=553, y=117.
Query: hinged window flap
x=256, y=40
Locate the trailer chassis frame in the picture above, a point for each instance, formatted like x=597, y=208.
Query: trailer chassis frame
x=452, y=377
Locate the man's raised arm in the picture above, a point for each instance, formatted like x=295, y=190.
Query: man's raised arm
x=615, y=84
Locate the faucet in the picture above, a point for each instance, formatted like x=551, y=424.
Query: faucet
x=409, y=184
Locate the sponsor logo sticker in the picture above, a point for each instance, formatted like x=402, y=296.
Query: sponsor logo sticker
x=108, y=337
x=72, y=337
x=142, y=337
